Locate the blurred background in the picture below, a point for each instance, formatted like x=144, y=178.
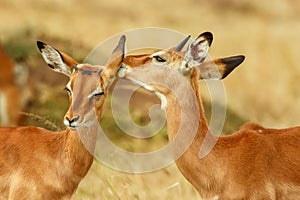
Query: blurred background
x=263, y=89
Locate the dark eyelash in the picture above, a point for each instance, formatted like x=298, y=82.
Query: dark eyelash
x=99, y=94
x=159, y=59
x=67, y=89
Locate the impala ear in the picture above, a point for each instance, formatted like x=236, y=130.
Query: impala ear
x=198, y=49
x=219, y=68
x=56, y=60
x=115, y=61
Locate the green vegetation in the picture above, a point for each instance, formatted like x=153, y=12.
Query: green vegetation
x=49, y=106
x=263, y=89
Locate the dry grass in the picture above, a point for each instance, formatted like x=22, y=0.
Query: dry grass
x=266, y=32
x=264, y=89
x=104, y=183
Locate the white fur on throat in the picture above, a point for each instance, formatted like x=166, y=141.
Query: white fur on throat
x=162, y=97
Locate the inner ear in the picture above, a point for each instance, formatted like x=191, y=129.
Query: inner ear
x=198, y=49
x=56, y=60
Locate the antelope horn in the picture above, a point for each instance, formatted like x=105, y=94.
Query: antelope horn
x=180, y=46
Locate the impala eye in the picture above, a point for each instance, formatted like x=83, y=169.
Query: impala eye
x=159, y=59
x=68, y=91
x=98, y=94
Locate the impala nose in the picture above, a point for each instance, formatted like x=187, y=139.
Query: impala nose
x=71, y=122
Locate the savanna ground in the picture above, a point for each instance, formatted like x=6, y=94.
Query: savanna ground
x=263, y=89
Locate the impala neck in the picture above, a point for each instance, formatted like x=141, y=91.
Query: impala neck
x=88, y=133
x=80, y=143
x=79, y=148
x=187, y=111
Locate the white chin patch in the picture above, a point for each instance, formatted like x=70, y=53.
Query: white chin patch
x=142, y=84
x=123, y=71
x=162, y=97
x=163, y=100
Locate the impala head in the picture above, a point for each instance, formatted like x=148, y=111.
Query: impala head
x=88, y=84
x=185, y=61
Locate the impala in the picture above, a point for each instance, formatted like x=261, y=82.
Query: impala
x=14, y=91
x=40, y=164
x=252, y=163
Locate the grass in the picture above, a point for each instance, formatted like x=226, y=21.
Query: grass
x=104, y=183
x=47, y=110
x=263, y=89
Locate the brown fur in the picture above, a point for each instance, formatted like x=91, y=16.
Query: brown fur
x=252, y=163
x=6, y=67
x=51, y=168
x=137, y=60
x=13, y=95
x=39, y=164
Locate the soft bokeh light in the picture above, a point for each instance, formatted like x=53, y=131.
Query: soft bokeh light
x=263, y=89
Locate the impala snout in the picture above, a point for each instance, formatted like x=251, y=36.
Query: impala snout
x=71, y=122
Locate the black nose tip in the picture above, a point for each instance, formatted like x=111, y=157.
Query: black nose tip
x=74, y=119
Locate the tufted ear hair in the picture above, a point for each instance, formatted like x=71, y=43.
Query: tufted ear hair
x=198, y=49
x=56, y=60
